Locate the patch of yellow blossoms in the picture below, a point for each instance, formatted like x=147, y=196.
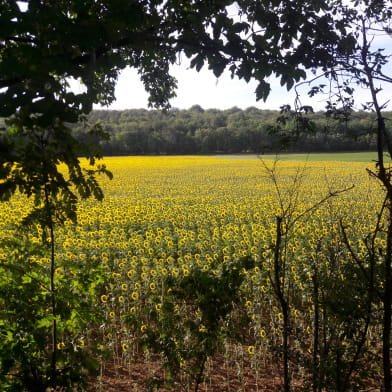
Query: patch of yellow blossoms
x=163, y=216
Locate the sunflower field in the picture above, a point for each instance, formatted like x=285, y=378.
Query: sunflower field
x=248, y=274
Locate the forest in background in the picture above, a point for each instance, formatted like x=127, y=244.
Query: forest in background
x=203, y=131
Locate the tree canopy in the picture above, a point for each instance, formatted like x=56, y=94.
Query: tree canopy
x=45, y=45
x=210, y=131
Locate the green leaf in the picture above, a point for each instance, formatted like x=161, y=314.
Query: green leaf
x=26, y=279
x=263, y=90
x=45, y=322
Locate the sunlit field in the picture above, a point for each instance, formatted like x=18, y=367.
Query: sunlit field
x=340, y=156
x=166, y=219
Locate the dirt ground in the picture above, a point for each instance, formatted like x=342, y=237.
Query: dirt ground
x=222, y=376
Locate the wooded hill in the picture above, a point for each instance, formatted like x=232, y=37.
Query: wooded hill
x=199, y=131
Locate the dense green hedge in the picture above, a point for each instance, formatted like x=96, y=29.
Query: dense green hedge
x=199, y=131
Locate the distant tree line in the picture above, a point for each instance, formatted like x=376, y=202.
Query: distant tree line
x=199, y=131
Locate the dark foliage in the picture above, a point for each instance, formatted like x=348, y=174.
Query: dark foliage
x=199, y=131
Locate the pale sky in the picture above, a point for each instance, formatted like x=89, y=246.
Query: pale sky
x=204, y=89
x=201, y=88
